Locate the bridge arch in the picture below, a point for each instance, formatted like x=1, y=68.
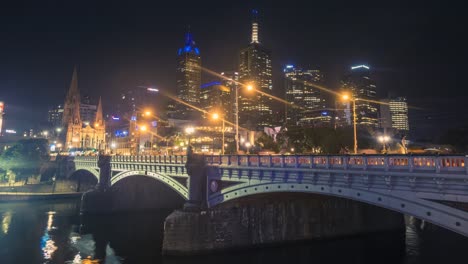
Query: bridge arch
x=168, y=181
x=93, y=171
x=433, y=212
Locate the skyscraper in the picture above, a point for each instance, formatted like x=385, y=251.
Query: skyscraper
x=188, y=79
x=255, y=68
x=358, y=84
x=307, y=103
x=394, y=114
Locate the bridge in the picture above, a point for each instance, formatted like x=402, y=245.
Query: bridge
x=431, y=188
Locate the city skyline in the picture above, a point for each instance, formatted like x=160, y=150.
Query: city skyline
x=110, y=78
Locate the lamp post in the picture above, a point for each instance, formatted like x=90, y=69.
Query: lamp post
x=384, y=139
x=346, y=97
x=189, y=131
x=247, y=145
x=215, y=116
x=249, y=88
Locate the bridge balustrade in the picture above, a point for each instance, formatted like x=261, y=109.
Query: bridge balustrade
x=370, y=162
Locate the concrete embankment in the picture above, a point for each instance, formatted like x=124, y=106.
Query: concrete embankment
x=21, y=196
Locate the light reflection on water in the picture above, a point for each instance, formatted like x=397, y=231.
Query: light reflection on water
x=54, y=232
x=6, y=221
x=47, y=243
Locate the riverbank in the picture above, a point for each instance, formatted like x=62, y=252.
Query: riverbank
x=28, y=196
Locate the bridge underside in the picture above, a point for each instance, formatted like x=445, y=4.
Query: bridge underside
x=432, y=211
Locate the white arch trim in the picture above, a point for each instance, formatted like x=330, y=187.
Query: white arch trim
x=438, y=214
x=169, y=181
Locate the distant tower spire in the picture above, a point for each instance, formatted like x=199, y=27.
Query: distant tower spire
x=255, y=26
x=99, y=119
x=72, y=99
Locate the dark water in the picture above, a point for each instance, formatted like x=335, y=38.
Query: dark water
x=53, y=232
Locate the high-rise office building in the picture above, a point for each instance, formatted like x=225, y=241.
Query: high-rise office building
x=394, y=114
x=87, y=112
x=188, y=79
x=255, y=109
x=307, y=103
x=55, y=116
x=357, y=83
x=215, y=97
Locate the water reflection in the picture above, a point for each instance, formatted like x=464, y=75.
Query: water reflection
x=54, y=232
x=6, y=221
x=47, y=243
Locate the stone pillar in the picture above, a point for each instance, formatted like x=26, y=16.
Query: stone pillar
x=196, y=169
x=99, y=201
x=104, y=172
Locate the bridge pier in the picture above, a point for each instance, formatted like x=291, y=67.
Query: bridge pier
x=273, y=219
x=265, y=219
x=196, y=169
x=99, y=200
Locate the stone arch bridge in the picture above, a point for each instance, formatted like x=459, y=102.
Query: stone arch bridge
x=431, y=188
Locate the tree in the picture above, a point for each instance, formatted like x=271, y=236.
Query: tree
x=25, y=157
x=266, y=143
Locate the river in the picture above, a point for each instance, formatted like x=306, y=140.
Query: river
x=54, y=232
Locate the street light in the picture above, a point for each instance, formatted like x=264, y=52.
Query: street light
x=249, y=87
x=346, y=97
x=384, y=139
x=216, y=117
x=189, y=131
x=247, y=145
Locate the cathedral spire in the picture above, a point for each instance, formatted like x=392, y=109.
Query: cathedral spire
x=99, y=119
x=255, y=26
x=72, y=101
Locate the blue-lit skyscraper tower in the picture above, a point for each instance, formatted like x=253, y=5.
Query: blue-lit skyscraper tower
x=188, y=79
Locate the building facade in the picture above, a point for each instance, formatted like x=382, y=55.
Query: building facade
x=307, y=104
x=359, y=86
x=88, y=112
x=78, y=134
x=55, y=116
x=255, y=69
x=394, y=114
x=188, y=80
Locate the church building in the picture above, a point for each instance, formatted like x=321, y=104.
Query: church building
x=91, y=135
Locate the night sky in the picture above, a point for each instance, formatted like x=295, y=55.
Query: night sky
x=415, y=51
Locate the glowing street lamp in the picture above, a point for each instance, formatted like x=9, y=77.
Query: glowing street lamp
x=384, y=139
x=347, y=97
x=249, y=87
x=189, y=131
x=143, y=128
x=247, y=145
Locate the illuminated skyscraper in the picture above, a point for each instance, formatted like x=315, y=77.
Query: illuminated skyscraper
x=362, y=88
x=188, y=79
x=307, y=103
x=394, y=114
x=255, y=68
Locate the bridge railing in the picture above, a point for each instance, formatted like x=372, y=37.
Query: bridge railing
x=359, y=162
x=175, y=159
